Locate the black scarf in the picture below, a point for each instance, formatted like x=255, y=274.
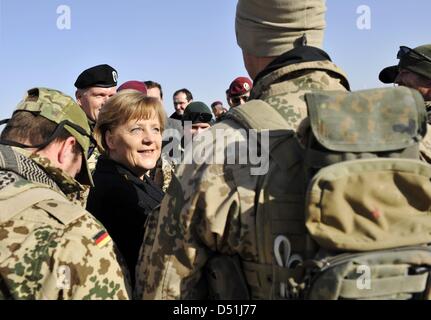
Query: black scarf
x=149, y=194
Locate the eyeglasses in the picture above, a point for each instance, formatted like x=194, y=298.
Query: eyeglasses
x=412, y=54
x=237, y=100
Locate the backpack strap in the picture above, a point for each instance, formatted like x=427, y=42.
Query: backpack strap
x=285, y=153
x=14, y=200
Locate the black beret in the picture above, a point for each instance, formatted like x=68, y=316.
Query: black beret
x=103, y=76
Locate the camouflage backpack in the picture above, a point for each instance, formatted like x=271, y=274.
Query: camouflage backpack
x=344, y=211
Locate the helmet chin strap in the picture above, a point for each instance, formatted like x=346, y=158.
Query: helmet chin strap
x=54, y=136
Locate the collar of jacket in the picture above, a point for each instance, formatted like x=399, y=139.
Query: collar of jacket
x=92, y=125
x=280, y=68
x=73, y=190
x=146, y=184
x=176, y=116
x=39, y=170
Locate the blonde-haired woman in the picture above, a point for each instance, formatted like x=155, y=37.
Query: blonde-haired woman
x=129, y=133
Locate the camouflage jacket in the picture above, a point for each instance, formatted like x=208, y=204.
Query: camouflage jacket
x=163, y=173
x=50, y=247
x=92, y=161
x=205, y=211
x=425, y=146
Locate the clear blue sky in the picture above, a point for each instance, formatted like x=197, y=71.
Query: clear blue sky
x=187, y=43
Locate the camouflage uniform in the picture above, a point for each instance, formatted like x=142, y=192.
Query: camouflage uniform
x=92, y=161
x=206, y=211
x=162, y=174
x=425, y=145
x=50, y=247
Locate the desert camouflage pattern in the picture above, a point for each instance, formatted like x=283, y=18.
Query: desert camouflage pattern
x=211, y=208
x=428, y=108
x=57, y=107
x=164, y=172
x=49, y=247
x=368, y=121
x=425, y=146
x=92, y=161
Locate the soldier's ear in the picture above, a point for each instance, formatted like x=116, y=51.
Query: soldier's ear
x=78, y=95
x=67, y=149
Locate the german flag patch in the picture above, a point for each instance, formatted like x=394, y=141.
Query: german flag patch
x=102, y=238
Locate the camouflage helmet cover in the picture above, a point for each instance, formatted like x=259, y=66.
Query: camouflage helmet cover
x=59, y=108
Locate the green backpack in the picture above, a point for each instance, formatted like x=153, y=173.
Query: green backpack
x=366, y=220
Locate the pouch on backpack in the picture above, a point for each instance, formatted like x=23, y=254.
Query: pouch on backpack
x=368, y=207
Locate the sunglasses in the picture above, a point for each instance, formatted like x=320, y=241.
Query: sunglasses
x=411, y=53
x=237, y=100
x=197, y=117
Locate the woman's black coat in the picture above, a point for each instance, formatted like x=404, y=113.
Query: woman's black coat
x=122, y=202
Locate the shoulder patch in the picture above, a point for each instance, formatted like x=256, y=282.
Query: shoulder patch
x=102, y=238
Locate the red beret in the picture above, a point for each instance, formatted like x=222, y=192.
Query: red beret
x=240, y=86
x=133, y=85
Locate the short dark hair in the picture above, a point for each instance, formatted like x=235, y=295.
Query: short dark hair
x=214, y=104
x=188, y=94
x=29, y=128
x=152, y=84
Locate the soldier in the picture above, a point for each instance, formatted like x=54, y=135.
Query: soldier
x=50, y=247
x=414, y=71
x=154, y=89
x=205, y=241
x=94, y=87
x=199, y=115
x=239, y=91
x=133, y=85
x=218, y=110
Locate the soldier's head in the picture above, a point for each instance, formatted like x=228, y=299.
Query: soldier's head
x=265, y=29
x=154, y=89
x=135, y=86
x=199, y=115
x=218, y=109
x=51, y=124
x=413, y=70
x=94, y=87
x=182, y=98
x=239, y=91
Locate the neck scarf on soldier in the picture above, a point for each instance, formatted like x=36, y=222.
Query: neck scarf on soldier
x=73, y=190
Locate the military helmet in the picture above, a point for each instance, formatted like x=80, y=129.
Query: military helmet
x=417, y=60
x=64, y=111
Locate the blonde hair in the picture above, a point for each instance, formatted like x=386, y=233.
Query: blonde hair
x=123, y=107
